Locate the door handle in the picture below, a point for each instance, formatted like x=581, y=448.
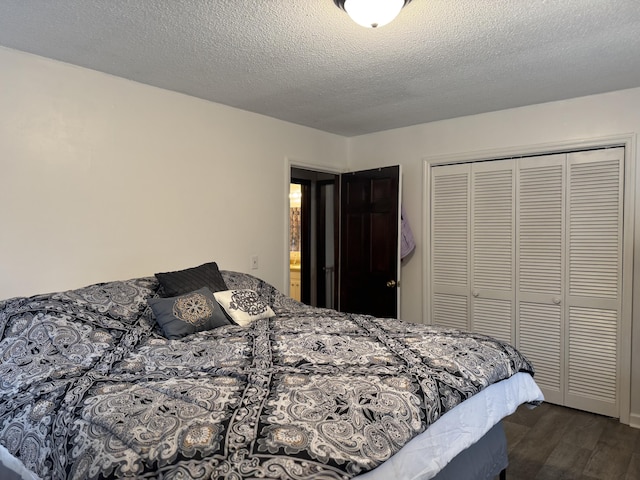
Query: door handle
x=391, y=283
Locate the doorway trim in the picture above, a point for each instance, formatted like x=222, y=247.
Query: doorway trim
x=290, y=163
x=631, y=232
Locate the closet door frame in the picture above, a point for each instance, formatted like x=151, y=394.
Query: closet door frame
x=630, y=232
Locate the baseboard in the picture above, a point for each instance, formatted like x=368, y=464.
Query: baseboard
x=634, y=420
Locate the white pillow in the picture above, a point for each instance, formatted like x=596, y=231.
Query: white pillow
x=243, y=306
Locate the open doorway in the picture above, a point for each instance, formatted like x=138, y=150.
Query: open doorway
x=345, y=249
x=313, y=197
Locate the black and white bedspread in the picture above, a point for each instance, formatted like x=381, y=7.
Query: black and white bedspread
x=90, y=389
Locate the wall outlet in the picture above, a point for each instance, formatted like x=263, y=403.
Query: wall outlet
x=254, y=262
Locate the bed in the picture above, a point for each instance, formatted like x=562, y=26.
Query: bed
x=105, y=382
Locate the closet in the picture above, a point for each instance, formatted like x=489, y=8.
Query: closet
x=529, y=250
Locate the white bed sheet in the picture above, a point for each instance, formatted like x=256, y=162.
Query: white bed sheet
x=428, y=453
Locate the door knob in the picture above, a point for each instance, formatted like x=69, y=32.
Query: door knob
x=556, y=300
x=475, y=293
x=391, y=283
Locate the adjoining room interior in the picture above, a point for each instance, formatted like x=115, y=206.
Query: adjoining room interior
x=313, y=233
x=295, y=227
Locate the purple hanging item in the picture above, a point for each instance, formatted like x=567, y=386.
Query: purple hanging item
x=408, y=244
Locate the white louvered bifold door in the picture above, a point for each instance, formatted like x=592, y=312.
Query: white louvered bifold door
x=540, y=269
x=449, y=263
x=530, y=251
x=594, y=269
x=492, y=248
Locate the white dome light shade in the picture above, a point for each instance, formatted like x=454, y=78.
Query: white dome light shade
x=373, y=13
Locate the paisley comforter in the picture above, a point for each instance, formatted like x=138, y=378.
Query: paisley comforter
x=90, y=389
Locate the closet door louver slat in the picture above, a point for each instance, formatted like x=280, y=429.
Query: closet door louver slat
x=492, y=219
x=595, y=233
x=451, y=311
x=485, y=313
x=540, y=339
x=593, y=365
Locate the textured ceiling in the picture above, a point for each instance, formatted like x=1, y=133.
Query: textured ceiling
x=306, y=62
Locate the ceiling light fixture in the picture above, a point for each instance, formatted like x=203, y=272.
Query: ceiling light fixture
x=372, y=13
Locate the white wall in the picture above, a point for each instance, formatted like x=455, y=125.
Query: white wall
x=102, y=178
x=609, y=114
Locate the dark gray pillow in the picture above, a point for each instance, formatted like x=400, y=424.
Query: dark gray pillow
x=191, y=279
x=189, y=313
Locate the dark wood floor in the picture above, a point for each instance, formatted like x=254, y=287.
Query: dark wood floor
x=556, y=443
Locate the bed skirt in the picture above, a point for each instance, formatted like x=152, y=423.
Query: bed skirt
x=484, y=460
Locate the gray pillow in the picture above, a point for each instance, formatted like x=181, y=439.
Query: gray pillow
x=191, y=279
x=189, y=313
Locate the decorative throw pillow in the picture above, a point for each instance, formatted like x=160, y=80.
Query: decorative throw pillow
x=243, y=306
x=189, y=313
x=191, y=279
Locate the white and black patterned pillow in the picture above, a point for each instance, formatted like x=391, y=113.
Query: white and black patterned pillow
x=243, y=306
x=189, y=313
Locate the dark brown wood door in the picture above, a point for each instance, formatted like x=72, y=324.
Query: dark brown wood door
x=369, y=257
